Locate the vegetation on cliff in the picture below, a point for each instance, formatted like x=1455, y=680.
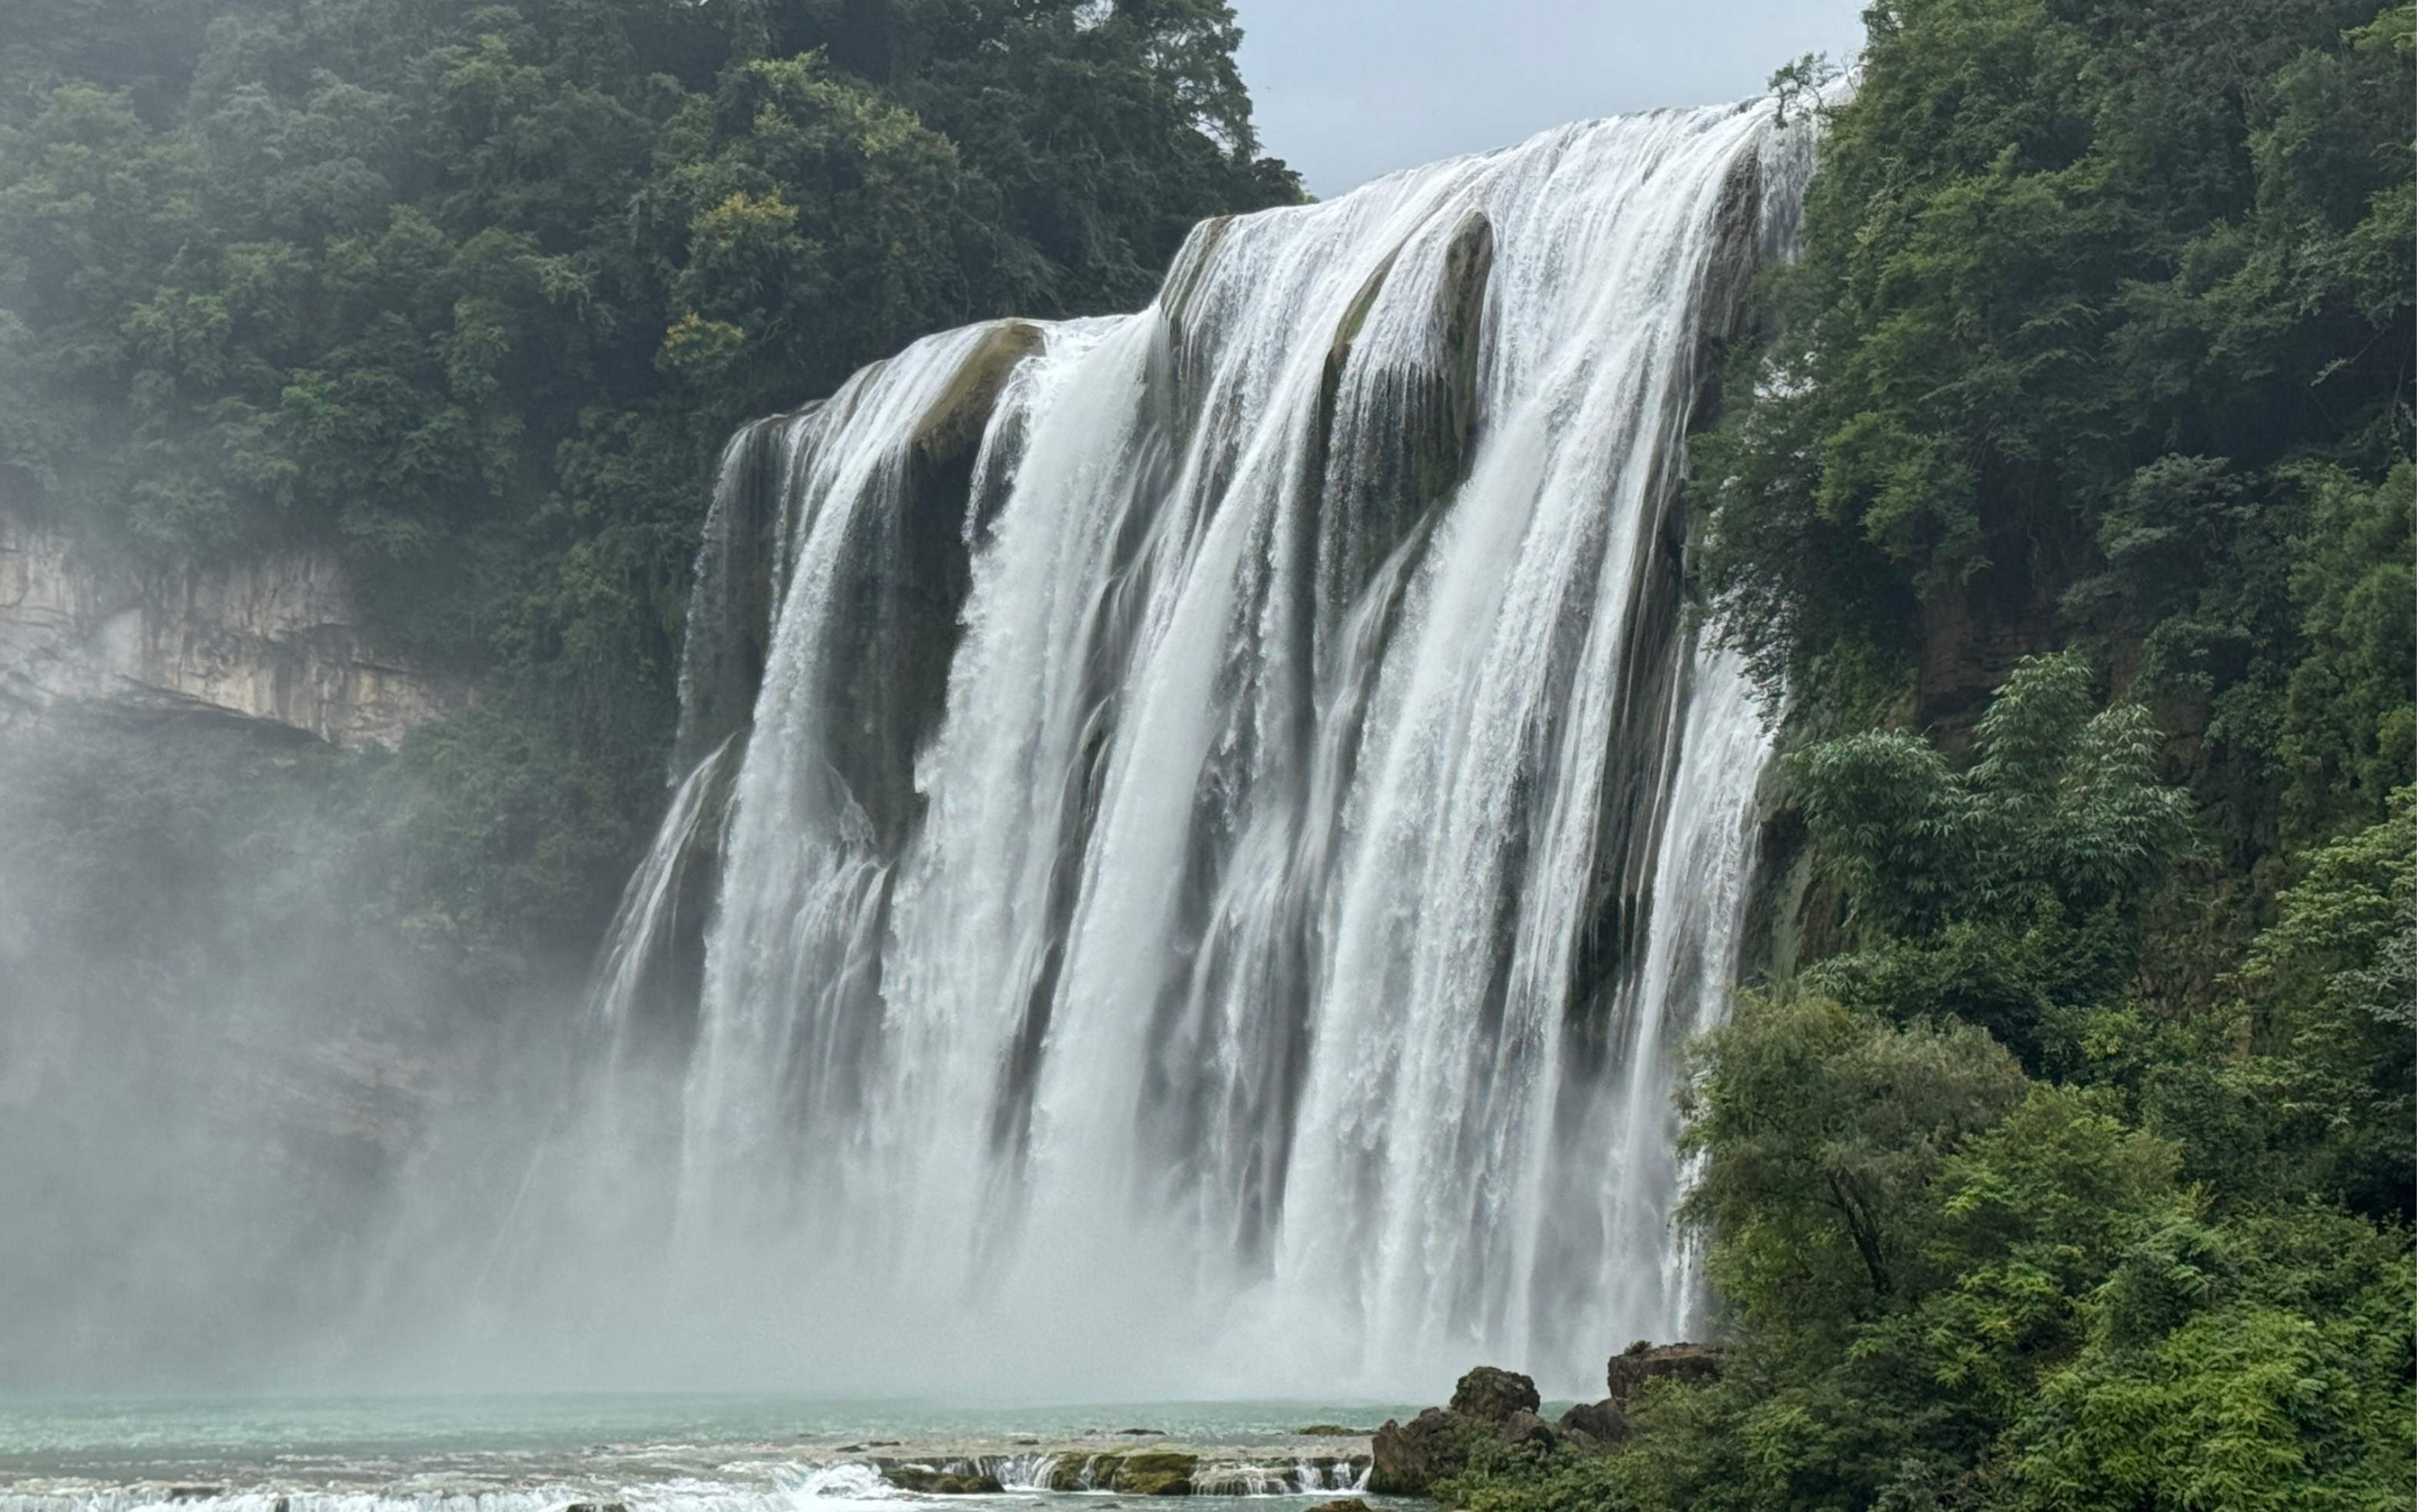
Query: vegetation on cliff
x=2064, y=1156
x=473, y=291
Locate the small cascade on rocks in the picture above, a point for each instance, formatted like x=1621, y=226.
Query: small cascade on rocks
x=1200, y=835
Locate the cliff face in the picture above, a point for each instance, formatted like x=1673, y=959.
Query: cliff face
x=275, y=640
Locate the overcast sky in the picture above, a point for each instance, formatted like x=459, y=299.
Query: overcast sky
x=1347, y=90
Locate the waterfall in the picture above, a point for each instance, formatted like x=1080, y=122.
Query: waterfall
x=1234, y=826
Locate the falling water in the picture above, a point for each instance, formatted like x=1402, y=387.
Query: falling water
x=1233, y=827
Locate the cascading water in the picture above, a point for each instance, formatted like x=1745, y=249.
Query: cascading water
x=1233, y=827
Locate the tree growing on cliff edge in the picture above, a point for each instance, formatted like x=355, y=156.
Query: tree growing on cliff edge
x=2104, y=306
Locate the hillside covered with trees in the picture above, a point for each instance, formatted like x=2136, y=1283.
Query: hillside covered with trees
x=2059, y=1154
x=468, y=295
x=475, y=292
x=2062, y=1157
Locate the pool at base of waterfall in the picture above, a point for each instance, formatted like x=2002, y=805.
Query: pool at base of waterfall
x=670, y=1454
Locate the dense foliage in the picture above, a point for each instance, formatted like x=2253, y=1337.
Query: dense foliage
x=472, y=290
x=2065, y=1159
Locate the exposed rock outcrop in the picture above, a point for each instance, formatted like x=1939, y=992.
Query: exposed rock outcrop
x=1492, y=1396
x=1491, y=1406
x=902, y=593
x=276, y=640
x=1632, y=1367
x=1488, y=1405
x=1411, y=1457
x=1596, y=1422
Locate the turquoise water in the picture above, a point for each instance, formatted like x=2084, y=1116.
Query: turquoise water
x=648, y=1454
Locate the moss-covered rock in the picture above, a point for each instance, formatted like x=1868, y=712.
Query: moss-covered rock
x=1132, y=1472
x=955, y=1478
x=1155, y=1472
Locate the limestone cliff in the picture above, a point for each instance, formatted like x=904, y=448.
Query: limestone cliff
x=275, y=640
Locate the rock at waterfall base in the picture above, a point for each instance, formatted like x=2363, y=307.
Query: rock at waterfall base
x=1135, y=1473
x=1492, y=1396
x=1488, y=1405
x=941, y=1480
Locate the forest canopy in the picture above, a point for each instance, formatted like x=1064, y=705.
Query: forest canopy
x=2065, y=1155
x=473, y=291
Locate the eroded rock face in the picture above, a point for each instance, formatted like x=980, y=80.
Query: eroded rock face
x=1642, y=1362
x=275, y=640
x=904, y=590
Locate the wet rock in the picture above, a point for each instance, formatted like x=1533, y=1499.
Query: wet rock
x=1492, y=1396
x=1079, y=1471
x=1596, y=1422
x=597, y=1507
x=1155, y=1472
x=1643, y=1361
x=896, y=602
x=1342, y=1503
x=1523, y=1426
x=1395, y=418
x=942, y=1480
x=1132, y=1472
x=1332, y=1431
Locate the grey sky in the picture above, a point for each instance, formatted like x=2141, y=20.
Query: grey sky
x=1345, y=90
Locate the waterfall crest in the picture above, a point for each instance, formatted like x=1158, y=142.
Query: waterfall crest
x=1218, y=823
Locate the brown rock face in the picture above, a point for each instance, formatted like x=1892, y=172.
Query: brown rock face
x=1688, y=1364
x=1491, y=1395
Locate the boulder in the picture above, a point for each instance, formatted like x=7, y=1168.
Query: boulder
x=1523, y=1426
x=1342, y=1503
x=1596, y=1422
x=1407, y=1457
x=1641, y=1362
x=1491, y=1395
